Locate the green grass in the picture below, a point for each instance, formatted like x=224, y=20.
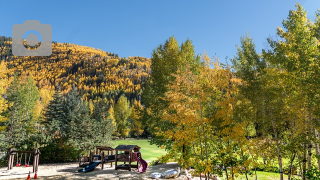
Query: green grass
x=263, y=176
x=148, y=152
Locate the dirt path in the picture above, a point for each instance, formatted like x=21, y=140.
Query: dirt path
x=66, y=171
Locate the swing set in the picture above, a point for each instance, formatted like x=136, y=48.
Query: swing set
x=35, y=153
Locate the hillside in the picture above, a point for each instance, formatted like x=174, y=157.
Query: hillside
x=96, y=73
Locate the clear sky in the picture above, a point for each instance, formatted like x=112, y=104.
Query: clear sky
x=135, y=28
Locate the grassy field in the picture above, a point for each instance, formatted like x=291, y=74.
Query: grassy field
x=148, y=152
x=263, y=176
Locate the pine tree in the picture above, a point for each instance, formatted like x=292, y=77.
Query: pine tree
x=55, y=114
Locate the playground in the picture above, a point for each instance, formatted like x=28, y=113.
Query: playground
x=70, y=170
x=120, y=162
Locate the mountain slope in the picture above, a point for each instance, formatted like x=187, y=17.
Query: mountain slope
x=96, y=73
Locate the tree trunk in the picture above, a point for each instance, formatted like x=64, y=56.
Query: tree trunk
x=290, y=168
x=317, y=147
x=244, y=165
x=204, y=136
x=300, y=167
x=309, y=153
x=304, y=162
x=255, y=171
x=278, y=147
x=226, y=170
x=309, y=139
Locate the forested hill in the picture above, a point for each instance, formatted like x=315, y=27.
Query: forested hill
x=95, y=73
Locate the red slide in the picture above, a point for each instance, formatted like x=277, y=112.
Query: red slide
x=143, y=165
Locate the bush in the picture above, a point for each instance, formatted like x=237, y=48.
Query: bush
x=273, y=169
x=312, y=173
x=155, y=162
x=4, y=161
x=58, y=152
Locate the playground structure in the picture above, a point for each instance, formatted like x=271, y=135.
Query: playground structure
x=103, y=155
x=35, y=153
x=129, y=154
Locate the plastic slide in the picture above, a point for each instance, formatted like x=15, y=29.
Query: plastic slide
x=143, y=164
x=90, y=167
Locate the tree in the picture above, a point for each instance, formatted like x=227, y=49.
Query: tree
x=3, y=86
x=264, y=86
x=297, y=52
x=111, y=117
x=55, y=114
x=22, y=97
x=103, y=121
x=200, y=108
x=122, y=112
x=135, y=116
x=167, y=60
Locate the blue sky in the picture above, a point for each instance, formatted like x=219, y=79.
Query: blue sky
x=135, y=28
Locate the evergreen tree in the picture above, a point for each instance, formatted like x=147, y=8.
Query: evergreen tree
x=73, y=111
x=55, y=114
x=82, y=128
x=103, y=122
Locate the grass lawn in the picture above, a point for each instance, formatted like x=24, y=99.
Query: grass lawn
x=148, y=152
x=263, y=176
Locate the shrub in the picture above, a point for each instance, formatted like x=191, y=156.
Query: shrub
x=312, y=173
x=58, y=152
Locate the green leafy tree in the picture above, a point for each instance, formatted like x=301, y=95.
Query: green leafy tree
x=137, y=127
x=167, y=59
x=22, y=97
x=298, y=53
x=122, y=112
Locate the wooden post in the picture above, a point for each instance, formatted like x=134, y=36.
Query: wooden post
x=37, y=163
x=111, y=154
x=34, y=160
x=9, y=161
x=116, y=159
x=38, y=157
x=130, y=155
x=12, y=161
x=11, y=158
x=79, y=159
x=102, y=158
x=90, y=156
